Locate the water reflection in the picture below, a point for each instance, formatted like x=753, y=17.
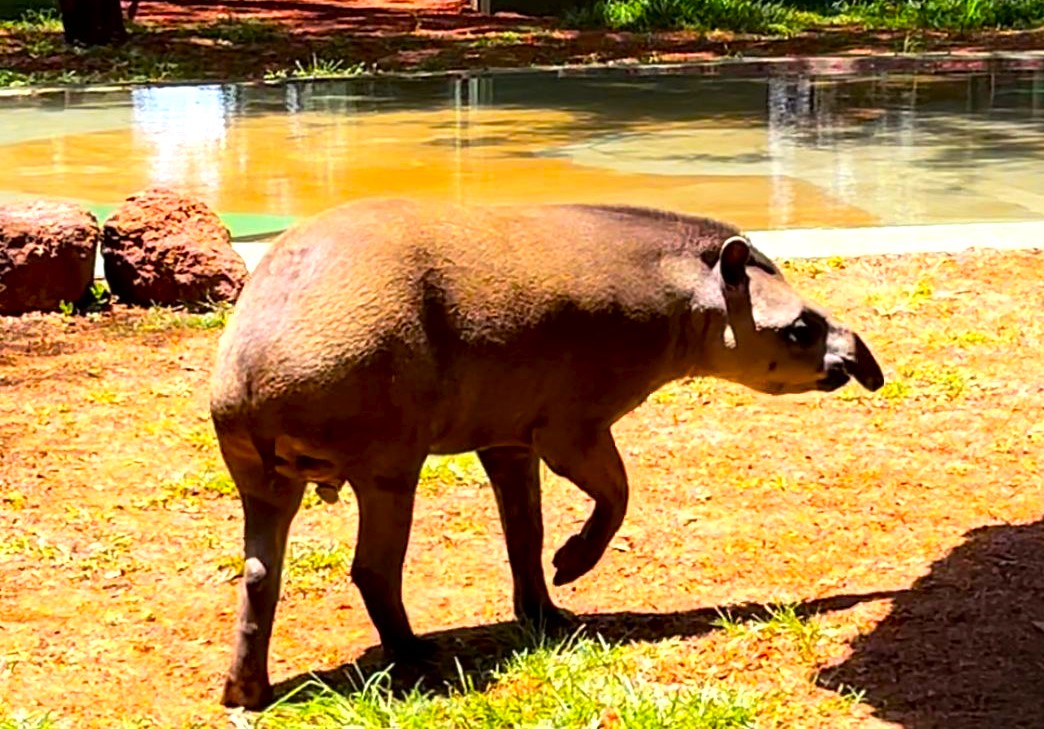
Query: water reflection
x=774, y=153
x=185, y=126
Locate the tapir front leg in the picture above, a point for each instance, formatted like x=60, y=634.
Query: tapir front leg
x=514, y=474
x=591, y=461
x=267, y=523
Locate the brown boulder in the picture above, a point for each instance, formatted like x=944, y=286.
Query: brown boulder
x=161, y=247
x=47, y=252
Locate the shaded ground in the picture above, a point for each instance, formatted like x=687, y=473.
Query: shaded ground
x=908, y=521
x=964, y=646
x=207, y=40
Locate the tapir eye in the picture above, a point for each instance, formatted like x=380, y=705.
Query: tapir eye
x=802, y=334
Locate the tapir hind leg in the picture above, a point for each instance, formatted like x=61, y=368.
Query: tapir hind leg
x=590, y=460
x=269, y=505
x=385, y=518
x=514, y=473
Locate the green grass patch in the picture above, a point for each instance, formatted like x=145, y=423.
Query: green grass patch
x=441, y=473
x=162, y=319
x=891, y=301
x=955, y=15
x=318, y=67
x=811, y=267
x=584, y=682
x=186, y=492
x=785, y=17
x=311, y=565
x=37, y=17
x=741, y=16
x=922, y=380
x=10, y=719
x=308, y=565
x=804, y=632
x=108, y=558
x=238, y=31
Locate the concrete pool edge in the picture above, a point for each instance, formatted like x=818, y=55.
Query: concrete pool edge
x=852, y=242
x=807, y=243
x=735, y=67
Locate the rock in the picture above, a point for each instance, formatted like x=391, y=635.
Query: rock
x=161, y=247
x=47, y=252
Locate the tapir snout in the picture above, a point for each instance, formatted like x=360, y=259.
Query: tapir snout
x=847, y=357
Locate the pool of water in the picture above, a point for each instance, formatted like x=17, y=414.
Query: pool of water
x=768, y=154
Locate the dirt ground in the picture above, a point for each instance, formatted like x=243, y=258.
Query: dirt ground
x=448, y=33
x=432, y=35
x=911, y=521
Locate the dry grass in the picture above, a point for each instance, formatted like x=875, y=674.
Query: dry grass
x=843, y=558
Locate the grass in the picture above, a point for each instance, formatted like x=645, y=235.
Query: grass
x=41, y=19
x=317, y=67
x=187, y=491
x=23, y=720
x=314, y=564
x=441, y=473
x=953, y=15
x=742, y=16
x=162, y=319
x=309, y=565
x=583, y=682
x=805, y=633
x=786, y=18
x=107, y=558
x=238, y=31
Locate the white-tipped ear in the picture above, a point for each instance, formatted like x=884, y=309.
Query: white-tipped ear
x=735, y=253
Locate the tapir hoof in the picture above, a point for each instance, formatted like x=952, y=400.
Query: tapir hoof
x=253, y=695
x=412, y=651
x=575, y=559
x=550, y=620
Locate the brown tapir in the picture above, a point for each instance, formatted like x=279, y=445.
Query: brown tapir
x=383, y=331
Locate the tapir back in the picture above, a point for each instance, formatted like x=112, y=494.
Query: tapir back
x=456, y=304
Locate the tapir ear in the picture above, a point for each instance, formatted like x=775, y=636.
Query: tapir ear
x=735, y=252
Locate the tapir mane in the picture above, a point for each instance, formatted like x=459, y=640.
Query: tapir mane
x=701, y=236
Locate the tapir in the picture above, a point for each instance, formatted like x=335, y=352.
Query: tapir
x=383, y=330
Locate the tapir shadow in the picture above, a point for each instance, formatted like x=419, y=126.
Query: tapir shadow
x=963, y=648
x=473, y=654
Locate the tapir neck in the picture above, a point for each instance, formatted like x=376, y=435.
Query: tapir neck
x=702, y=320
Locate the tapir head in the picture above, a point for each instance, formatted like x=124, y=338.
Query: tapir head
x=773, y=340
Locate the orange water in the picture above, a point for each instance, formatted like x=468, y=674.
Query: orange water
x=847, y=154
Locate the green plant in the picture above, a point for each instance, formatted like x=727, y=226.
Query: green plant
x=186, y=491
x=806, y=633
x=13, y=79
x=583, y=682
x=318, y=67
x=309, y=564
x=957, y=15
x=238, y=31
x=161, y=319
x=440, y=473
x=890, y=302
x=24, y=720
x=39, y=19
x=745, y=16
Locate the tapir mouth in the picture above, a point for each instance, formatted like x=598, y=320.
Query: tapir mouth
x=836, y=378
